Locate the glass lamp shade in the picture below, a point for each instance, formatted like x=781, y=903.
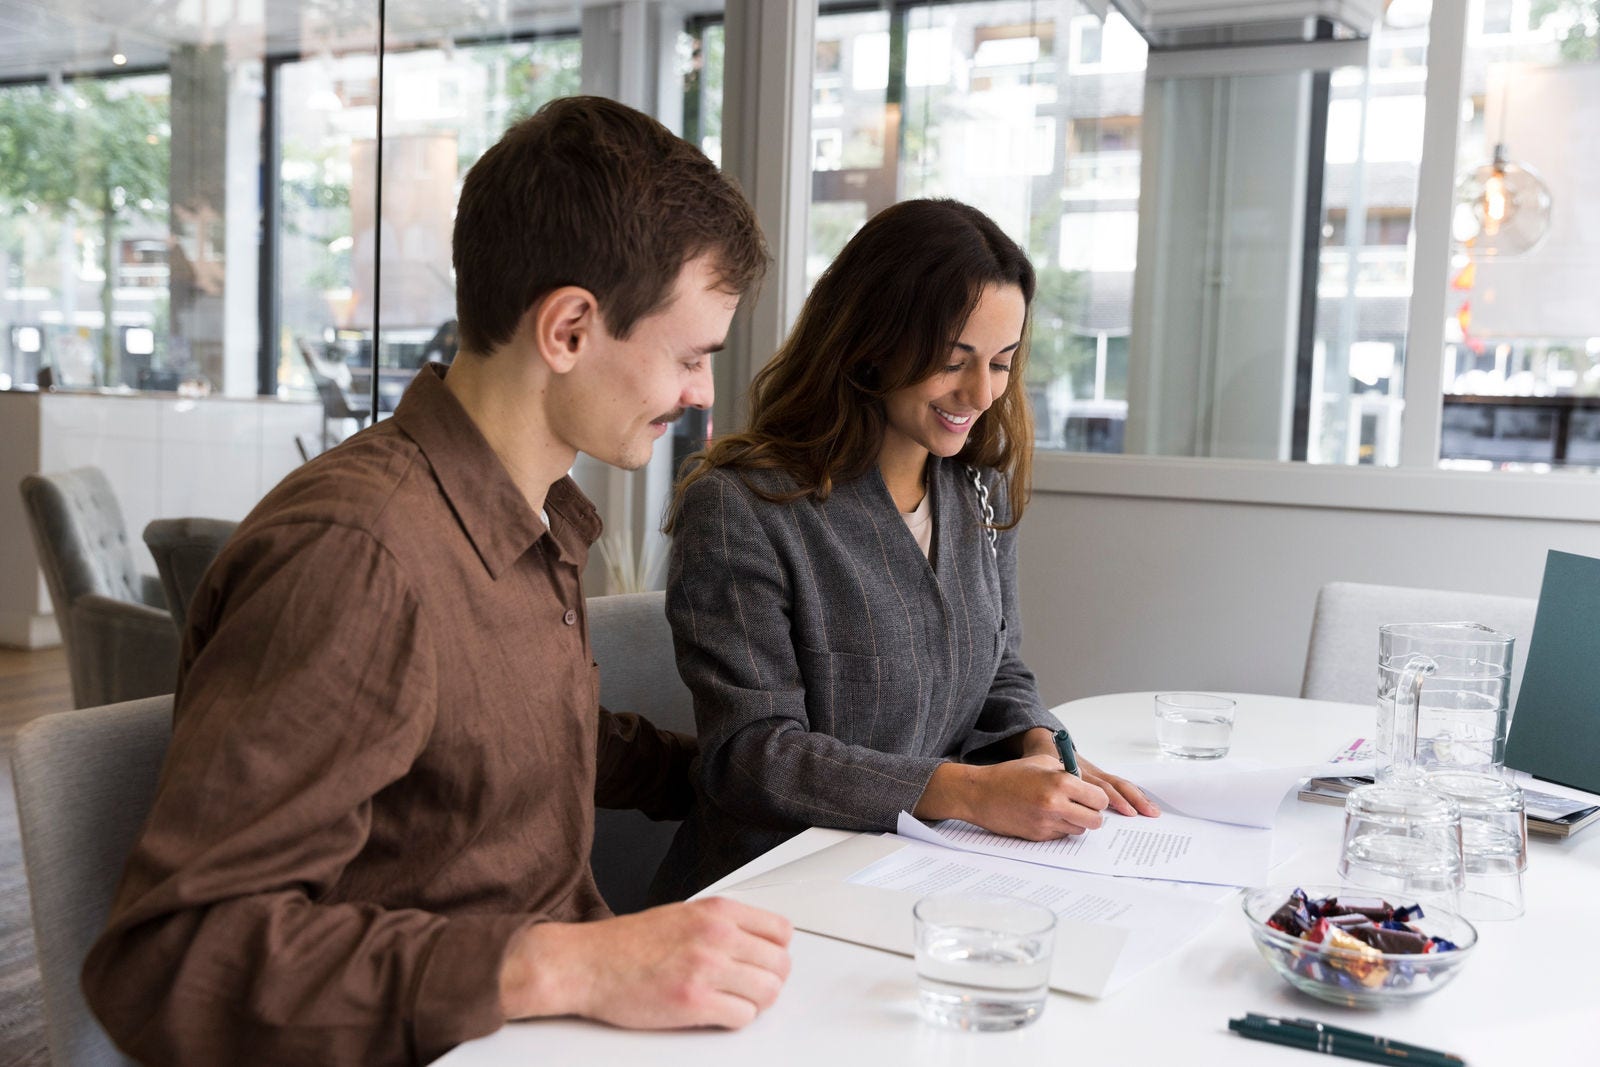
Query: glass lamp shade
x=1502, y=209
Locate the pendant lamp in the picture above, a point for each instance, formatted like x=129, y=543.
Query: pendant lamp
x=1502, y=208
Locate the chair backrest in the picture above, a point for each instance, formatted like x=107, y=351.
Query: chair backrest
x=632, y=643
x=335, y=402
x=1342, y=657
x=330, y=390
x=84, y=781
x=183, y=549
x=82, y=543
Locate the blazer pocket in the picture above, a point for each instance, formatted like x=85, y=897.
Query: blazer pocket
x=843, y=692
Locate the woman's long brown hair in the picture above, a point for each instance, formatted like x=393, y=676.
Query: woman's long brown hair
x=884, y=315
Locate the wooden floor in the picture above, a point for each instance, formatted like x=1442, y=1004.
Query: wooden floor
x=31, y=684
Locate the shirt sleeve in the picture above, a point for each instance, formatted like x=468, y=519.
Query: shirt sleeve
x=229, y=940
x=729, y=603
x=639, y=765
x=1012, y=705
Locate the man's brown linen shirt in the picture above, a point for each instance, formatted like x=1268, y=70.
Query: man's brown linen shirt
x=383, y=764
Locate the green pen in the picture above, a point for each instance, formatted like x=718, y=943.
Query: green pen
x=1069, y=759
x=1357, y=1035
x=1282, y=1032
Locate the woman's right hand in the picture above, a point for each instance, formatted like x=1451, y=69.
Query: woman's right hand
x=1031, y=798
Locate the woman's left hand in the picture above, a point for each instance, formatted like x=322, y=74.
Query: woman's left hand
x=1125, y=797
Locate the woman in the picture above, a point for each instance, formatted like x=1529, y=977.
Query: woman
x=843, y=591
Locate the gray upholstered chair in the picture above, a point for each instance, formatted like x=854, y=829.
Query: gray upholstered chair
x=336, y=403
x=1342, y=657
x=114, y=622
x=632, y=642
x=84, y=781
x=183, y=549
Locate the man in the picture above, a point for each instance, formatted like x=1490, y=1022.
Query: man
x=371, y=836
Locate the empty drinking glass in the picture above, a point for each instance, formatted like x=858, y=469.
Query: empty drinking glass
x=983, y=961
x=1403, y=841
x=1494, y=841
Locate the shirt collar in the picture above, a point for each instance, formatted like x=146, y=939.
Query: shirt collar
x=491, y=509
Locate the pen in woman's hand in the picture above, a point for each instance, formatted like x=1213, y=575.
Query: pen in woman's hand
x=1069, y=759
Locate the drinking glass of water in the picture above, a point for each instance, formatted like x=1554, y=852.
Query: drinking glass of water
x=983, y=961
x=1194, y=725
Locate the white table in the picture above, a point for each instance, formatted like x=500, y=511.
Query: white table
x=1526, y=998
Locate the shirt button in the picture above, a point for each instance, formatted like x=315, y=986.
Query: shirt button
x=570, y=618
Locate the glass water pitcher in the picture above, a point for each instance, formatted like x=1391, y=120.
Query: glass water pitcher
x=1443, y=698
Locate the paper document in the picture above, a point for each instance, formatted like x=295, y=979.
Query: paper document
x=1158, y=924
x=862, y=890
x=1241, y=792
x=1173, y=847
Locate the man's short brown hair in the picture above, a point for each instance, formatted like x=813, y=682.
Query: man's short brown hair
x=592, y=193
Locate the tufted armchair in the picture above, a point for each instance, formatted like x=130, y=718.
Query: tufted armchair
x=120, y=640
x=183, y=550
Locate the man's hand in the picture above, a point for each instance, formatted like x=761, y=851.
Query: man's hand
x=711, y=962
x=1031, y=798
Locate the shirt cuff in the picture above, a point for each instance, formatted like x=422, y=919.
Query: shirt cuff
x=458, y=995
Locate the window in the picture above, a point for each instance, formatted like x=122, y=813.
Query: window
x=1521, y=366
x=1089, y=35
x=84, y=250
x=443, y=108
x=985, y=113
x=1350, y=384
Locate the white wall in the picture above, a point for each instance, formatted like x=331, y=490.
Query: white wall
x=1154, y=574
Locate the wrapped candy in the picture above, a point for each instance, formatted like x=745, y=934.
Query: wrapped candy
x=1294, y=917
x=1363, y=934
x=1390, y=938
x=1360, y=961
x=1372, y=910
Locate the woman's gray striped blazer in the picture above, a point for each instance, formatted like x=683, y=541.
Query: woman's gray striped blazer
x=834, y=667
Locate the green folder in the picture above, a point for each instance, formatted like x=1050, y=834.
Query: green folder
x=1555, y=731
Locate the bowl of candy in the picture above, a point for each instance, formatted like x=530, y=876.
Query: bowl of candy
x=1348, y=948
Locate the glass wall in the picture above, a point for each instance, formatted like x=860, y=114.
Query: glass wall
x=1225, y=260
x=140, y=247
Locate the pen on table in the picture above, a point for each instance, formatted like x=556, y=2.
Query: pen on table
x=1362, y=1047
x=1359, y=1035
x=1069, y=759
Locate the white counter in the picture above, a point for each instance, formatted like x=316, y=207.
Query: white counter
x=168, y=456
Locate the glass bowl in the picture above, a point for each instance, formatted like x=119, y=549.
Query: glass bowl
x=1329, y=973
